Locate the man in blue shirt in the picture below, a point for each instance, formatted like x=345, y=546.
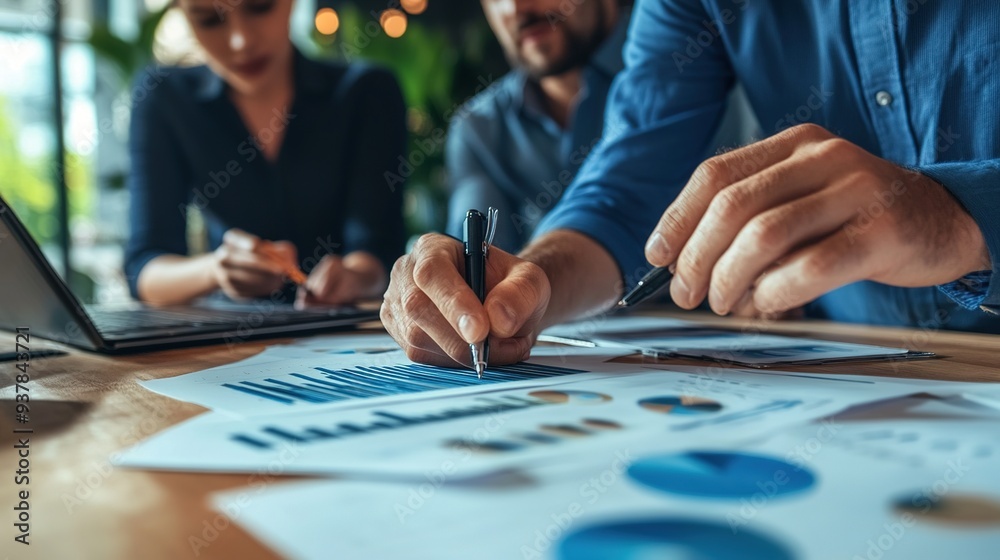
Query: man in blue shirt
x=518, y=145
x=875, y=199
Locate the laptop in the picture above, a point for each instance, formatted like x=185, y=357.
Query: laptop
x=32, y=295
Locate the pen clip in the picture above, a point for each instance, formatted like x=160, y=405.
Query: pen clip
x=491, y=229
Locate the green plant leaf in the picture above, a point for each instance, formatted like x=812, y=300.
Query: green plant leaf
x=114, y=49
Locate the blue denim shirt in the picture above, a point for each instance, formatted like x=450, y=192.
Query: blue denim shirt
x=504, y=150
x=916, y=83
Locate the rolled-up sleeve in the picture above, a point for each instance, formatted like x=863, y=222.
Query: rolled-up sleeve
x=158, y=188
x=976, y=185
x=662, y=113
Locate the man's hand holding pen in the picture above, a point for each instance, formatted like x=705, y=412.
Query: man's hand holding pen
x=778, y=223
x=434, y=314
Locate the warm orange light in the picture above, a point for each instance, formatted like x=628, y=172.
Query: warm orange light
x=327, y=21
x=393, y=23
x=414, y=6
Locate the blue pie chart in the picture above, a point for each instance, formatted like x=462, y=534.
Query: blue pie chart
x=721, y=475
x=682, y=405
x=669, y=539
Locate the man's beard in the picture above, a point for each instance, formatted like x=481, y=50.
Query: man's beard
x=580, y=47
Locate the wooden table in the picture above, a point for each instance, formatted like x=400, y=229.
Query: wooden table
x=85, y=408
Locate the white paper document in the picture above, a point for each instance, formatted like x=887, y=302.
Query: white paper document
x=332, y=371
x=671, y=337
x=811, y=495
x=520, y=423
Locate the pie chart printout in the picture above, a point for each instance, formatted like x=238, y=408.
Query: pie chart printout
x=571, y=397
x=720, y=475
x=682, y=405
x=953, y=510
x=669, y=539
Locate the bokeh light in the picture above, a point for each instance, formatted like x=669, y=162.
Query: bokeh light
x=393, y=23
x=414, y=6
x=327, y=21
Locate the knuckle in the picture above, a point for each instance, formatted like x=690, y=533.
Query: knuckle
x=530, y=282
x=413, y=353
x=412, y=334
x=424, y=272
x=430, y=242
x=385, y=315
x=767, y=230
x=671, y=223
x=809, y=131
x=412, y=304
x=709, y=172
x=817, y=265
x=692, y=260
x=838, y=148
x=422, y=243
x=400, y=269
x=731, y=202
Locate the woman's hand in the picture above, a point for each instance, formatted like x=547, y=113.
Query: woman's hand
x=340, y=280
x=246, y=266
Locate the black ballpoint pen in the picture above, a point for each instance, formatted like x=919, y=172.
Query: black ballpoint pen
x=479, y=230
x=649, y=285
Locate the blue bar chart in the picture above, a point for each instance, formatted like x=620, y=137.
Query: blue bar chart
x=324, y=385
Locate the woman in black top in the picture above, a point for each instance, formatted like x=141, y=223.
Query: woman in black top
x=285, y=158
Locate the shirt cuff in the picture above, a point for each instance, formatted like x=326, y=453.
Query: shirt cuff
x=970, y=291
x=974, y=185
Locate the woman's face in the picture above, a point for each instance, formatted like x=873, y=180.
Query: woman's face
x=246, y=41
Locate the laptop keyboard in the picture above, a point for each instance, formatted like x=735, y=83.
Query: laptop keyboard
x=227, y=315
x=135, y=319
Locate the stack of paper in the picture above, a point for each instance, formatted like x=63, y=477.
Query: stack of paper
x=571, y=455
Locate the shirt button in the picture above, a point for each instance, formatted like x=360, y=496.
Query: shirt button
x=883, y=98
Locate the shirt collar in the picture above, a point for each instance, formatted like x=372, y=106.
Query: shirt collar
x=307, y=74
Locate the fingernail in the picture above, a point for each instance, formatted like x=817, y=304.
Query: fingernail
x=657, y=249
x=716, y=301
x=680, y=290
x=467, y=327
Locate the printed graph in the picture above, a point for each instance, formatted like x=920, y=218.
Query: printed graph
x=324, y=385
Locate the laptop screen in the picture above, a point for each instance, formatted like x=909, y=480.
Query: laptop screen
x=32, y=294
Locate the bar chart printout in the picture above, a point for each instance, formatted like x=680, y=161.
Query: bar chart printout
x=326, y=385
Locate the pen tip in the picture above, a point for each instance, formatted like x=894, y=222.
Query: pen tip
x=480, y=368
x=622, y=303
